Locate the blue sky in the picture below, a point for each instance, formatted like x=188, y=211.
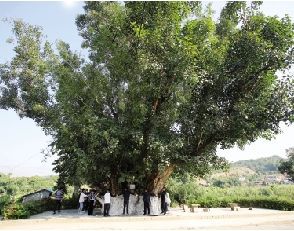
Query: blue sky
x=21, y=141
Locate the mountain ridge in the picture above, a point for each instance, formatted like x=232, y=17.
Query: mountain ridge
x=260, y=165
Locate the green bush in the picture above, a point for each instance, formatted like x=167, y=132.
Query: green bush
x=279, y=197
x=270, y=203
x=71, y=203
x=36, y=207
x=15, y=211
x=212, y=203
x=4, y=200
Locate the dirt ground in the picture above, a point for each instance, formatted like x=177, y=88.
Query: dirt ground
x=216, y=218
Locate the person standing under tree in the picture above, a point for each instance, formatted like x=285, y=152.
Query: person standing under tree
x=106, y=203
x=86, y=202
x=92, y=201
x=58, y=200
x=82, y=200
x=126, y=195
x=167, y=202
x=146, y=200
x=162, y=199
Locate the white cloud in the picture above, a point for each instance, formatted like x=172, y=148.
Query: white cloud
x=69, y=3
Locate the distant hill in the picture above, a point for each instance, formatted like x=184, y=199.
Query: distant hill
x=246, y=172
x=234, y=172
x=261, y=165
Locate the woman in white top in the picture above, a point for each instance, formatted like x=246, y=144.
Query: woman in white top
x=167, y=202
x=82, y=200
x=106, y=203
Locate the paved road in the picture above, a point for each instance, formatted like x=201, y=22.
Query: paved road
x=222, y=219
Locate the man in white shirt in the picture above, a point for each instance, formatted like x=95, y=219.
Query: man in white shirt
x=82, y=200
x=106, y=203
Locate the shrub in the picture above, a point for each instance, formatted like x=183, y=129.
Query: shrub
x=15, y=211
x=36, y=207
x=4, y=200
x=279, y=197
x=71, y=203
x=268, y=203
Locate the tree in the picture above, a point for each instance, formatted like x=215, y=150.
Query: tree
x=287, y=167
x=164, y=85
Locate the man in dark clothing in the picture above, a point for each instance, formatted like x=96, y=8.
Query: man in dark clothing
x=58, y=200
x=126, y=195
x=162, y=197
x=92, y=201
x=146, y=200
x=124, y=185
x=86, y=202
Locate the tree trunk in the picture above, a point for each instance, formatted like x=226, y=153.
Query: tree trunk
x=158, y=180
x=114, y=187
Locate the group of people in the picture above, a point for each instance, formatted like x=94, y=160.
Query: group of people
x=87, y=201
x=164, y=198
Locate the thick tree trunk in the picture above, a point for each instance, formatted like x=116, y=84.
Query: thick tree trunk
x=158, y=180
x=114, y=187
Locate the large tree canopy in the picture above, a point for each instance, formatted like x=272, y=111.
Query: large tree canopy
x=164, y=85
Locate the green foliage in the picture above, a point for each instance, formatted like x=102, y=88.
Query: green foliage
x=19, y=186
x=11, y=206
x=279, y=197
x=15, y=211
x=268, y=203
x=36, y=207
x=71, y=202
x=4, y=200
x=13, y=188
x=164, y=85
x=287, y=167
